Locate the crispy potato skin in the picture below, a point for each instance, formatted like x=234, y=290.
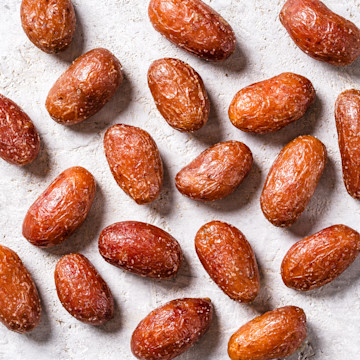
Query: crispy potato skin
x=193, y=26
x=347, y=115
x=179, y=94
x=85, y=87
x=275, y=334
x=269, y=105
x=61, y=208
x=321, y=33
x=141, y=248
x=171, y=329
x=19, y=299
x=229, y=260
x=292, y=180
x=320, y=258
x=49, y=24
x=216, y=172
x=82, y=291
x=135, y=162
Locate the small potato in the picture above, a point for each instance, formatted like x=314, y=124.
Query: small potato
x=61, y=208
x=216, y=172
x=134, y=161
x=193, y=26
x=85, y=87
x=171, y=329
x=269, y=105
x=179, y=94
x=82, y=291
x=347, y=114
x=49, y=24
x=140, y=248
x=229, y=260
x=320, y=258
x=321, y=33
x=273, y=335
x=292, y=180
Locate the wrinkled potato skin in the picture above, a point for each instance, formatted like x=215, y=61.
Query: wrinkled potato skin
x=292, y=180
x=179, y=94
x=49, y=24
x=269, y=105
x=321, y=33
x=193, y=26
x=85, y=87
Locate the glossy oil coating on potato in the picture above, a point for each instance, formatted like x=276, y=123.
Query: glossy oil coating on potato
x=85, y=87
x=216, y=172
x=321, y=33
x=292, y=180
x=19, y=139
x=193, y=26
x=61, y=208
x=229, y=260
x=49, y=24
x=82, y=291
x=141, y=248
x=171, y=329
x=179, y=94
x=275, y=334
x=134, y=161
x=269, y=105
x=320, y=258
x=19, y=299
x=347, y=114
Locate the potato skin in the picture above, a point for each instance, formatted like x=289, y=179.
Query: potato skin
x=179, y=94
x=49, y=24
x=141, y=248
x=229, y=260
x=82, y=291
x=347, y=115
x=320, y=258
x=134, y=161
x=321, y=33
x=85, y=87
x=269, y=105
x=60, y=209
x=292, y=180
x=275, y=334
x=193, y=26
x=171, y=329
x=20, y=308
x=216, y=172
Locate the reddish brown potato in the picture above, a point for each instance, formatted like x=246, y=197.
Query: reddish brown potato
x=82, y=291
x=134, y=161
x=61, y=208
x=49, y=24
x=320, y=258
x=321, y=33
x=229, y=260
x=347, y=114
x=275, y=334
x=269, y=105
x=292, y=180
x=85, y=87
x=19, y=139
x=19, y=300
x=140, y=248
x=171, y=329
x=216, y=172
x=194, y=26
x=179, y=94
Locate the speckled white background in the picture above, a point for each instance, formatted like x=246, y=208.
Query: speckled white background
x=263, y=50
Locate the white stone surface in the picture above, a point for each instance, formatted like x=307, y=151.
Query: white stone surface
x=264, y=49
